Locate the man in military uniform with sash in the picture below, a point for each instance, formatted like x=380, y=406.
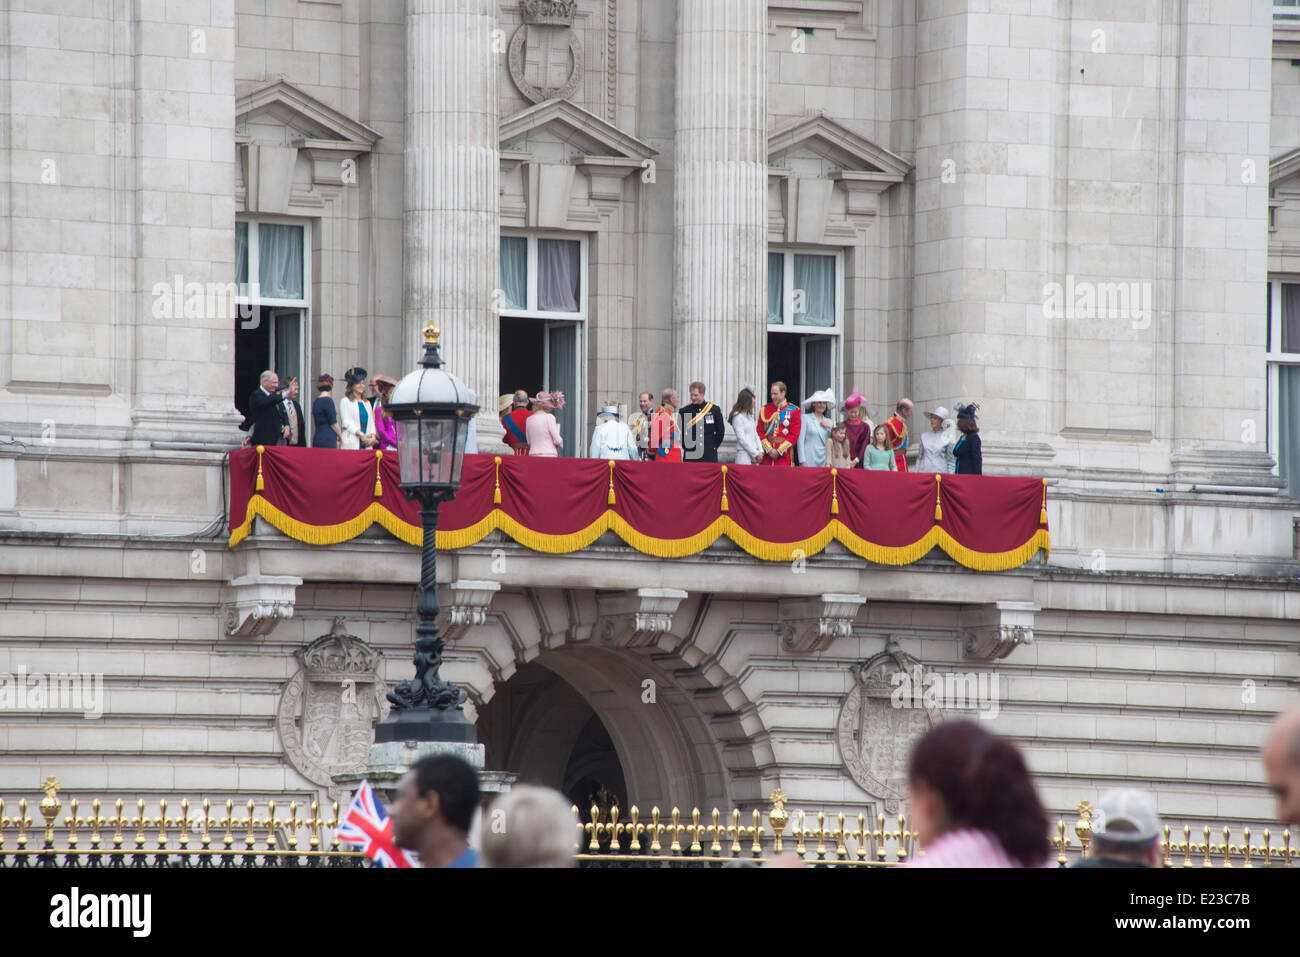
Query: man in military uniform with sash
x=515, y=422
x=778, y=428
x=896, y=426
x=703, y=428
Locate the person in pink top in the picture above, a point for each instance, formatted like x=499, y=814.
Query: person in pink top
x=541, y=429
x=385, y=424
x=973, y=803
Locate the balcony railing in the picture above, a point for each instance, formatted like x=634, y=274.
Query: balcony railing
x=556, y=505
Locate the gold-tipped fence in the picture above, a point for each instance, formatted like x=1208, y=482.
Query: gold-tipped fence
x=185, y=833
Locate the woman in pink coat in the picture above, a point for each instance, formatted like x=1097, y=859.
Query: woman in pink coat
x=541, y=429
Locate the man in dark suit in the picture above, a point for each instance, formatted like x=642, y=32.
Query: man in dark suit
x=297, y=424
x=270, y=422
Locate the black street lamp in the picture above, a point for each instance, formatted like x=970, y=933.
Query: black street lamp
x=433, y=410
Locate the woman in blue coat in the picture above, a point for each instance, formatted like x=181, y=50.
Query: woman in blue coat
x=969, y=454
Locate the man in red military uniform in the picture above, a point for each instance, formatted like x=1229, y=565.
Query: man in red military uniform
x=778, y=428
x=514, y=420
x=896, y=426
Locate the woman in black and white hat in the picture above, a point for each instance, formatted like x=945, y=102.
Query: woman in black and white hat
x=355, y=416
x=968, y=451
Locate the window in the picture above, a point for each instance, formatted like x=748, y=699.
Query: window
x=803, y=291
x=273, y=305
x=1284, y=381
x=544, y=276
x=805, y=309
x=543, y=307
x=1286, y=9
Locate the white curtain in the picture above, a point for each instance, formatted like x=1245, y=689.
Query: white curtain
x=559, y=271
x=775, y=287
x=279, y=261
x=1288, y=427
x=815, y=277
x=514, y=272
x=241, y=255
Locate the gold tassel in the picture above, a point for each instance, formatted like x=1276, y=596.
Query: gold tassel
x=496, y=493
x=379, y=488
x=1042, y=514
x=724, y=488
x=610, y=500
x=835, y=501
x=260, y=484
x=938, y=509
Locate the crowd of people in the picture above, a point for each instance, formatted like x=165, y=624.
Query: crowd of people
x=972, y=803
x=354, y=421
x=779, y=433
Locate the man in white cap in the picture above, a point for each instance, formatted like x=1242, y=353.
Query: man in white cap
x=937, y=444
x=1125, y=831
x=611, y=439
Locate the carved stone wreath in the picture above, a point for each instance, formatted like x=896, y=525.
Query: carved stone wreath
x=328, y=709
x=876, y=737
x=536, y=94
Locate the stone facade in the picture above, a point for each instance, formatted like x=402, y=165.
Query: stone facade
x=969, y=165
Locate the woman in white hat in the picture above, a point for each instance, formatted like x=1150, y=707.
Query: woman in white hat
x=937, y=444
x=816, y=428
x=611, y=439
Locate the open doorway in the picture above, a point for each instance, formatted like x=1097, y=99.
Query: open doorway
x=805, y=363
x=540, y=354
x=272, y=337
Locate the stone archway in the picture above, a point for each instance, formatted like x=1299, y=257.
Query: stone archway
x=676, y=720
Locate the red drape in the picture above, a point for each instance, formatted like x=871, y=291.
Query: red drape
x=323, y=496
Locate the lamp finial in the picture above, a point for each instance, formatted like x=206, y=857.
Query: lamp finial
x=431, y=333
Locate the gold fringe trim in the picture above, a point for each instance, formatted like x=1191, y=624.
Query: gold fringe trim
x=759, y=548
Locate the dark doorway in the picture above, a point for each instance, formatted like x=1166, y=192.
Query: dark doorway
x=594, y=774
x=522, y=362
x=252, y=354
x=783, y=365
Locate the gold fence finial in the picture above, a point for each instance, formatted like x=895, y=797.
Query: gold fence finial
x=777, y=817
x=50, y=805
x=1083, y=826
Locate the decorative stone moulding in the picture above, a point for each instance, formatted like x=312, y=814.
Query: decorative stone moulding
x=994, y=631
x=812, y=624
x=468, y=607
x=549, y=13
x=631, y=619
x=258, y=603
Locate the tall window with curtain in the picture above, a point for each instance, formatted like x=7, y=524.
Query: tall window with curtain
x=1283, y=358
x=804, y=291
x=544, y=276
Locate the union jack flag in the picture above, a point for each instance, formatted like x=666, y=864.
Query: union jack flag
x=366, y=823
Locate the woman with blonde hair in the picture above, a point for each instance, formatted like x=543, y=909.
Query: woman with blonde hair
x=356, y=419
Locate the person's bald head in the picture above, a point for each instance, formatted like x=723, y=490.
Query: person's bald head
x=1281, y=756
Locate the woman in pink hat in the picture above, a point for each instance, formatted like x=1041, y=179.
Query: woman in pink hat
x=859, y=426
x=541, y=429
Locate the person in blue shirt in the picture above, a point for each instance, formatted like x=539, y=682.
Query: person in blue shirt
x=968, y=451
x=433, y=809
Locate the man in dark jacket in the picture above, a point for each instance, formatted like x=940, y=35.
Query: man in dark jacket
x=297, y=423
x=270, y=422
x=703, y=427
x=1125, y=831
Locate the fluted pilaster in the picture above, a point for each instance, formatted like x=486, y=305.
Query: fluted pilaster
x=452, y=217
x=720, y=220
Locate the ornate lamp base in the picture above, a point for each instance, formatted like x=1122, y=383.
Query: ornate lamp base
x=426, y=724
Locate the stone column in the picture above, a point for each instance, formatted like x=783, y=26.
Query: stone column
x=720, y=222
x=452, y=216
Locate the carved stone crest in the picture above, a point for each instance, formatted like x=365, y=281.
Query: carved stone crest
x=329, y=708
x=878, y=726
x=545, y=57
